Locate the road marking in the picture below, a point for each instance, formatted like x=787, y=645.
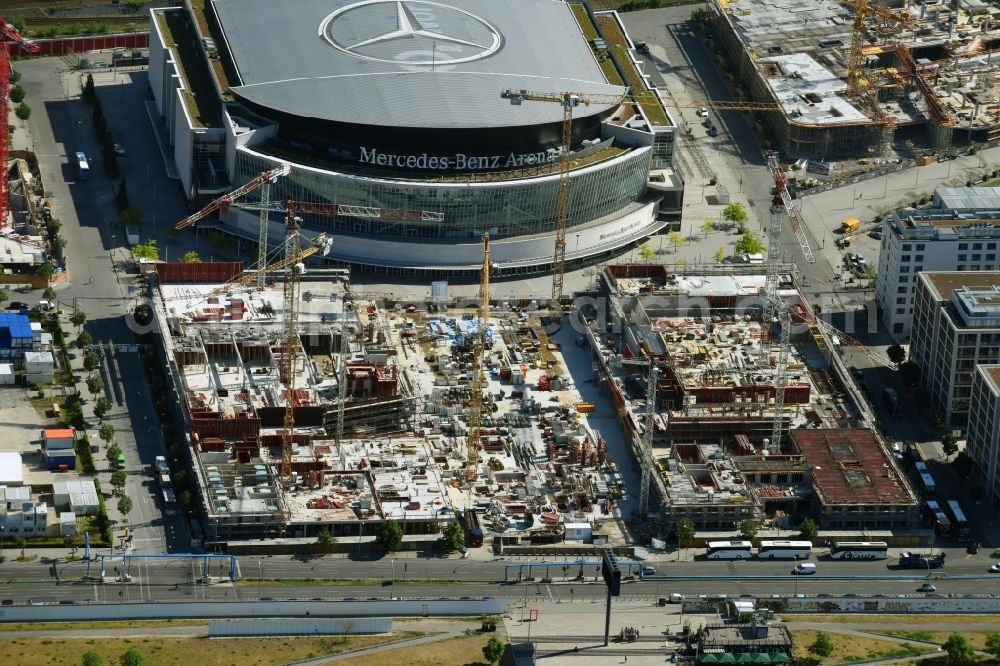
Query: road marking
x=549, y=590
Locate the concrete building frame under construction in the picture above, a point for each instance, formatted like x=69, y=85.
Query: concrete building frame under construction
x=715, y=401
x=937, y=73
x=544, y=474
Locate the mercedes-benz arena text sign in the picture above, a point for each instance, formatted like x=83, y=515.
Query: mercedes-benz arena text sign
x=410, y=32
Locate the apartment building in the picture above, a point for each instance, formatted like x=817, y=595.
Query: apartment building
x=983, y=437
x=956, y=325
x=936, y=239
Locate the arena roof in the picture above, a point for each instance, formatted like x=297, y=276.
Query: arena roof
x=409, y=63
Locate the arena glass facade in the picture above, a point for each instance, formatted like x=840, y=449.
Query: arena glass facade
x=504, y=209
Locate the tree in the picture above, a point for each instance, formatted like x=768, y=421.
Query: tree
x=84, y=340
x=909, y=372
x=808, y=530
x=121, y=196
x=871, y=274
x=735, y=213
x=173, y=232
x=959, y=650
x=4, y=295
x=95, y=384
x=190, y=257
x=708, y=226
x=118, y=480
x=78, y=318
x=949, y=444
x=132, y=657
x=217, y=241
x=91, y=658
x=107, y=433
x=993, y=644
x=23, y=111
x=452, y=537
x=647, y=253
x=49, y=294
x=46, y=271
x=896, y=354
x=113, y=452
x=685, y=530
x=124, y=505
x=750, y=243
x=21, y=543
x=823, y=646
x=91, y=361
x=675, y=239
x=493, y=650
x=389, y=535
x=184, y=499
x=748, y=529
x=963, y=464
x=147, y=250
x=325, y=539
x=132, y=217
x=16, y=76
x=719, y=256
x=936, y=422
x=101, y=408
x=17, y=94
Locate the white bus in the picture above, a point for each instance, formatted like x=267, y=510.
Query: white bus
x=82, y=166
x=859, y=550
x=784, y=550
x=729, y=550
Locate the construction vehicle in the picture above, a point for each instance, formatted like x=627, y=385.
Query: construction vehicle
x=920, y=561
x=850, y=225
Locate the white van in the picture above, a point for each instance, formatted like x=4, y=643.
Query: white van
x=804, y=569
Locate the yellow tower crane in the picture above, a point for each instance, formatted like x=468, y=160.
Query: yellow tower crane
x=569, y=101
x=474, y=439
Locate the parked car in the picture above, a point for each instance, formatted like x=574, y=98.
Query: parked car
x=119, y=150
x=876, y=234
x=703, y=112
x=927, y=587
x=712, y=131
x=995, y=568
x=974, y=547
x=17, y=305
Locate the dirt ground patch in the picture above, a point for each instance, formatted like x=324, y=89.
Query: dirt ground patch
x=976, y=638
x=464, y=651
x=851, y=648
x=77, y=626
x=861, y=618
x=164, y=651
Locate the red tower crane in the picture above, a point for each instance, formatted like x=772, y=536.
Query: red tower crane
x=10, y=35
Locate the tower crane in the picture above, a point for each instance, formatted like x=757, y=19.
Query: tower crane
x=9, y=35
x=646, y=455
x=474, y=440
x=571, y=100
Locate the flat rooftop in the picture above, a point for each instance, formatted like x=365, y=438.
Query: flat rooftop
x=409, y=64
x=992, y=374
x=851, y=466
x=943, y=283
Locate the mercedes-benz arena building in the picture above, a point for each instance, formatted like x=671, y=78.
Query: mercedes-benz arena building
x=396, y=106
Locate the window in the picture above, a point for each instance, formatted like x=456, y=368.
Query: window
x=897, y=328
x=900, y=310
x=963, y=246
x=906, y=247
x=991, y=246
x=991, y=257
x=904, y=279
x=962, y=257
x=905, y=258
x=977, y=246
x=901, y=300
x=904, y=269
x=920, y=247
x=920, y=257
x=977, y=257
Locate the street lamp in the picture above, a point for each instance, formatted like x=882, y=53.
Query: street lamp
x=2, y=558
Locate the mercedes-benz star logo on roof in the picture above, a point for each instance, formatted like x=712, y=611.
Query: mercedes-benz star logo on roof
x=425, y=33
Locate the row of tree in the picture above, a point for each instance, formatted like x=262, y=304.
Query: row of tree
x=958, y=648
x=686, y=530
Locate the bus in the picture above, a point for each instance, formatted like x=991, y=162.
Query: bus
x=729, y=550
x=859, y=550
x=938, y=519
x=784, y=550
x=960, y=524
x=82, y=166
x=926, y=481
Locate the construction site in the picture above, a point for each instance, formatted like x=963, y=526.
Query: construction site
x=733, y=400
x=855, y=78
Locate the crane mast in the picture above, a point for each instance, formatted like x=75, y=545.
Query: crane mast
x=646, y=463
x=290, y=344
x=345, y=350
x=474, y=440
